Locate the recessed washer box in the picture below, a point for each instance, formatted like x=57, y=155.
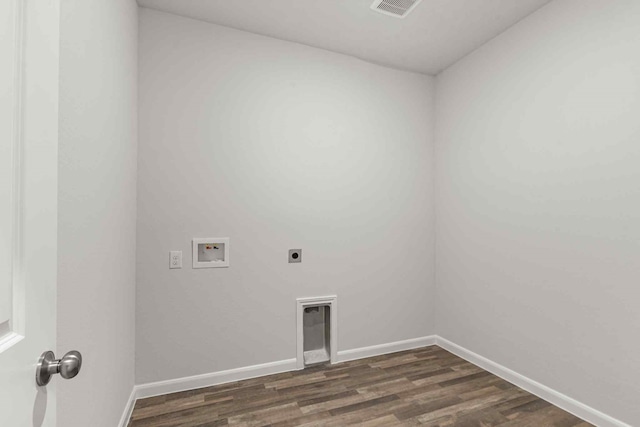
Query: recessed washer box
x=210, y=252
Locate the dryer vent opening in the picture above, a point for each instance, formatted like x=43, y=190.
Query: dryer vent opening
x=316, y=330
x=317, y=334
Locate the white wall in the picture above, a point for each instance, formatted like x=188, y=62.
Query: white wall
x=538, y=201
x=97, y=207
x=277, y=146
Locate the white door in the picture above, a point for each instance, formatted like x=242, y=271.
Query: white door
x=29, y=33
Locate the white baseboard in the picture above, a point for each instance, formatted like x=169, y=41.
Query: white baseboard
x=245, y=373
x=552, y=396
x=142, y=391
x=214, y=378
x=128, y=410
x=378, y=350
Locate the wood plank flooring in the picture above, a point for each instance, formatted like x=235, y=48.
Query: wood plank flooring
x=426, y=387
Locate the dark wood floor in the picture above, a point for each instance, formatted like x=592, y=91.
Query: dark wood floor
x=427, y=387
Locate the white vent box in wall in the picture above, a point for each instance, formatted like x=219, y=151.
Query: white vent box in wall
x=317, y=334
x=210, y=252
x=395, y=8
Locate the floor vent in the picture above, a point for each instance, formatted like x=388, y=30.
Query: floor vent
x=396, y=8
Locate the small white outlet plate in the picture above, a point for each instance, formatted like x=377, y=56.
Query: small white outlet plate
x=175, y=259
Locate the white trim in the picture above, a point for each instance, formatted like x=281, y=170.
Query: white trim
x=17, y=198
x=143, y=391
x=380, y=349
x=552, y=396
x=9, y=340
x=128, y=410
x=301, y=303
x=14, y=327
x=214, y=378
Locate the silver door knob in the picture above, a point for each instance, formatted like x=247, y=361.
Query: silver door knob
x=68, y=367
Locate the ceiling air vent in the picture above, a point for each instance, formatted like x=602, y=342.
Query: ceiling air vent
x=397, y=8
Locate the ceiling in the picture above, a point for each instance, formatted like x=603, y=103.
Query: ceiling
x=435, y=35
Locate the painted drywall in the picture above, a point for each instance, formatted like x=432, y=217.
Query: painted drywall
x=97, y=207
x=538, y=201
x=277, y=146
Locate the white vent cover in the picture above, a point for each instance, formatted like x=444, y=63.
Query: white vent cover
x=397, y=8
